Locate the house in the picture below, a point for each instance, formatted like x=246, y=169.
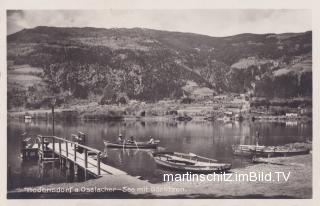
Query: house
x=220, y=97
x=228, y=113
x=291, y=115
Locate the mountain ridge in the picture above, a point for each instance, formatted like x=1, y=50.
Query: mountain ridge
x=150, y=64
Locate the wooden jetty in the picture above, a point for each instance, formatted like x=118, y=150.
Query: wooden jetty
x=53, y=148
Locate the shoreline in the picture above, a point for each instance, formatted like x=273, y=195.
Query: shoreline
x=82, y=115
x=298, y=186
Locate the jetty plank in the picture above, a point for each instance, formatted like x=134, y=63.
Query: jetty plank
x=80, y=161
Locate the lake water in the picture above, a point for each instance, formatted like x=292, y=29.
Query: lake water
x=209, y=139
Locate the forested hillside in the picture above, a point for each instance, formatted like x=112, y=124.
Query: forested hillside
x=107, y=64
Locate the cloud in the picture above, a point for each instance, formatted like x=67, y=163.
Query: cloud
x=209, y=22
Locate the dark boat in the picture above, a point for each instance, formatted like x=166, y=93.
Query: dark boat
x=189, y=162
x=269, y=151
x=132, y=145
x=183, y=118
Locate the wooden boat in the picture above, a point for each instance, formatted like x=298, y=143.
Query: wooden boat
x=132, y=145
x=189, y=162
x=280, y=151
x=268, y=151
x=183, y=118
x=246, y=150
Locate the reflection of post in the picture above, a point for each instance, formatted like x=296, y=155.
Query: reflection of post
x=52, y=111
x=257, y=138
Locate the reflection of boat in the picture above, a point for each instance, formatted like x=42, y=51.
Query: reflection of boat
x=27, y=119
x=269, y=151
x=189, y=162
x=224, y=119
x=210, y=118
x=133, y=145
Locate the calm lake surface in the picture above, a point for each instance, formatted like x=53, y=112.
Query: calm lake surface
x=209, y=139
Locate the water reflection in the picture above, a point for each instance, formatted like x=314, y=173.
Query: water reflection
x=210, y=139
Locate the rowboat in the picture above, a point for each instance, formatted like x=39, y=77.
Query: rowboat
x=278, y=151
x=189, y=162
x=269, y=151
x=246, y=150
x=132, y=145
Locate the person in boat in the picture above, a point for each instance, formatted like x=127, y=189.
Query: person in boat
x=120, y=138
x=151, y=141
x=131, y=140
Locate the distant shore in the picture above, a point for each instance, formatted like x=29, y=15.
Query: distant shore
x=148, y=112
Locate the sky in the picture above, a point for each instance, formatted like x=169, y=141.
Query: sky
x=207, y=22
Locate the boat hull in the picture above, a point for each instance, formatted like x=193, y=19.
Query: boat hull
x=132, y=146
x=280, y=153
x=188, y=165
x=245, y=150
x=265, y=151
x=194, y=169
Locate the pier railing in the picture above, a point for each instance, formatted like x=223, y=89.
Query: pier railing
x=44, y=141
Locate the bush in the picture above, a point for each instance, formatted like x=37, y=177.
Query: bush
x=187, y=100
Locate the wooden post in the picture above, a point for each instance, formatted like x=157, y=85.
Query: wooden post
x=52, y=104
x=42, y=147
x=75, y=168
x=52, y=110
x=60, y=151
x=75, y=153
x=85, y=152
x=98, y=162
x=85, y=158
x=23, y=149
x=53, y=147
x=42, y=143
x=67, y=153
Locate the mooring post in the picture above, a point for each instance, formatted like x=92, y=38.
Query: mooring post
x=85, y=158
x=67, y=153
x=60, y=152
x=75, y=153
x=53, y=102
x=42, y=147
x=85, y=152
x=23, y=149
x=76, y=170
x=75, y=166
x=53, y=147
x=98, y=162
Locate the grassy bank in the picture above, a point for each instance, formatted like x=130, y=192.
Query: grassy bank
x=87, y=114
